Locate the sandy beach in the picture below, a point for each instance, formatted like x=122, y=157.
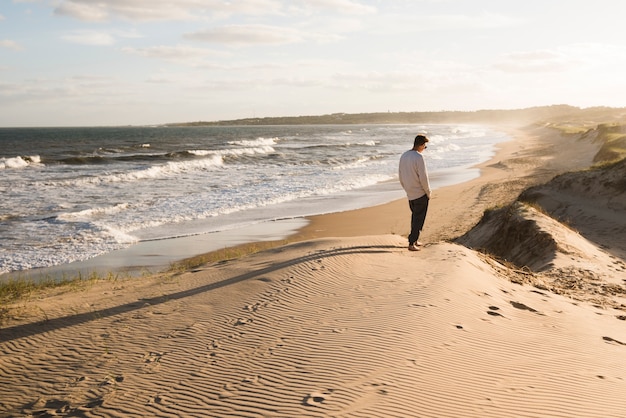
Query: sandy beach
x=345, y=322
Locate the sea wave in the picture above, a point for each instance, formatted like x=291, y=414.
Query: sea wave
x=264, y=149
x=255, y=142
x=359, y=162
x=20, y=162
x=370, y=143
x=169, y=169
x=93, y=212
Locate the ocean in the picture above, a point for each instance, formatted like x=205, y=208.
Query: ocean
x=70, y=195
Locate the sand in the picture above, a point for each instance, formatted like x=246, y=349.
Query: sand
x=345, y=322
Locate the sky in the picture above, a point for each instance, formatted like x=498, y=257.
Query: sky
x=145, y=62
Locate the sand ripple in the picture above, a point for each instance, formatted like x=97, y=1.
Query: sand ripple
x=352, y=327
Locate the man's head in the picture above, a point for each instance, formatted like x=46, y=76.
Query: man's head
x=419, y=141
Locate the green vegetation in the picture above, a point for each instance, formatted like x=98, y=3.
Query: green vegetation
x=613, y=138
x=20, y=288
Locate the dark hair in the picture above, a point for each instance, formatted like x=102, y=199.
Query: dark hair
x=419, y=140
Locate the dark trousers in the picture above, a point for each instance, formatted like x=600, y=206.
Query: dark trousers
x=419, y=207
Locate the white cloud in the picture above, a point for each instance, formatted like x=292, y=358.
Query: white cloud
x=9, y=44
x=573, y=58
x=98, y=38
x=86, y=37
x=340, y=6
x=539, y=61
x=183, y=54
x=53, y=90
x=151, y=10
x=245, y=35
x=164, y=10
x=482, y=21
x=452, y=22
x=81, y=11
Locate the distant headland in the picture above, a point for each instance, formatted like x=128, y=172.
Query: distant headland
x=551, y=114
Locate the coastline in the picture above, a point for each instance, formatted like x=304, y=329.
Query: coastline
x=515, y=165
x=148, y=257
x=497, y=184
x=345, y=325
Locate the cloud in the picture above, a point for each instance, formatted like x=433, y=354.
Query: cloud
x=341, y=6
x=9, y=44
x=482, y=21
x=183, y=54
x=155, y=10
x=164, y=10
x=539, y=61
x=81, y=11
x=53, y=90
x=98, y=38
x=406, y=23
x=246, y=35
x=85, y=37
x=599, y=58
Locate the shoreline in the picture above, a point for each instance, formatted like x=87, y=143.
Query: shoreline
x=464, y=201
x=156, y=256
x=394, y=217
x=354, y=325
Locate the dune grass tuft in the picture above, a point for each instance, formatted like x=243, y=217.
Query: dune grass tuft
x=19, y=288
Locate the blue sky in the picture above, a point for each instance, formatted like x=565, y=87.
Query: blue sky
x=120, y=62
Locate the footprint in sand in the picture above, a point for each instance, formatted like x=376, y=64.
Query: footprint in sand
x=524, y=307
x=243, y=321
x=316, y=398
x=492, y=311
x=612, y=340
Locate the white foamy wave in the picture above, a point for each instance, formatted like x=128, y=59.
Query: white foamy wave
x=256, y=142
x=469, y=130
x=246, y=151
x=93, y=212
x=360, y=162
x=20, y=162
x=80, y=245
x=446, y=148
x=170, y=169
x=362, y=144
x=200, y=152
x=266, y=149
x=119, y=236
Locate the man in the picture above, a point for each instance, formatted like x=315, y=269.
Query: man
x=414, y=180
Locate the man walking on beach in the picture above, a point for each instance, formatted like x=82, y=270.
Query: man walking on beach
x=414, y=180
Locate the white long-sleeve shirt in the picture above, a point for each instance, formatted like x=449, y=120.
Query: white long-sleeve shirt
x=413, y=175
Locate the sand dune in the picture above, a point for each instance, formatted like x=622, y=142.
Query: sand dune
x=590, y=201
x=351, y=327
x=358, y=326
